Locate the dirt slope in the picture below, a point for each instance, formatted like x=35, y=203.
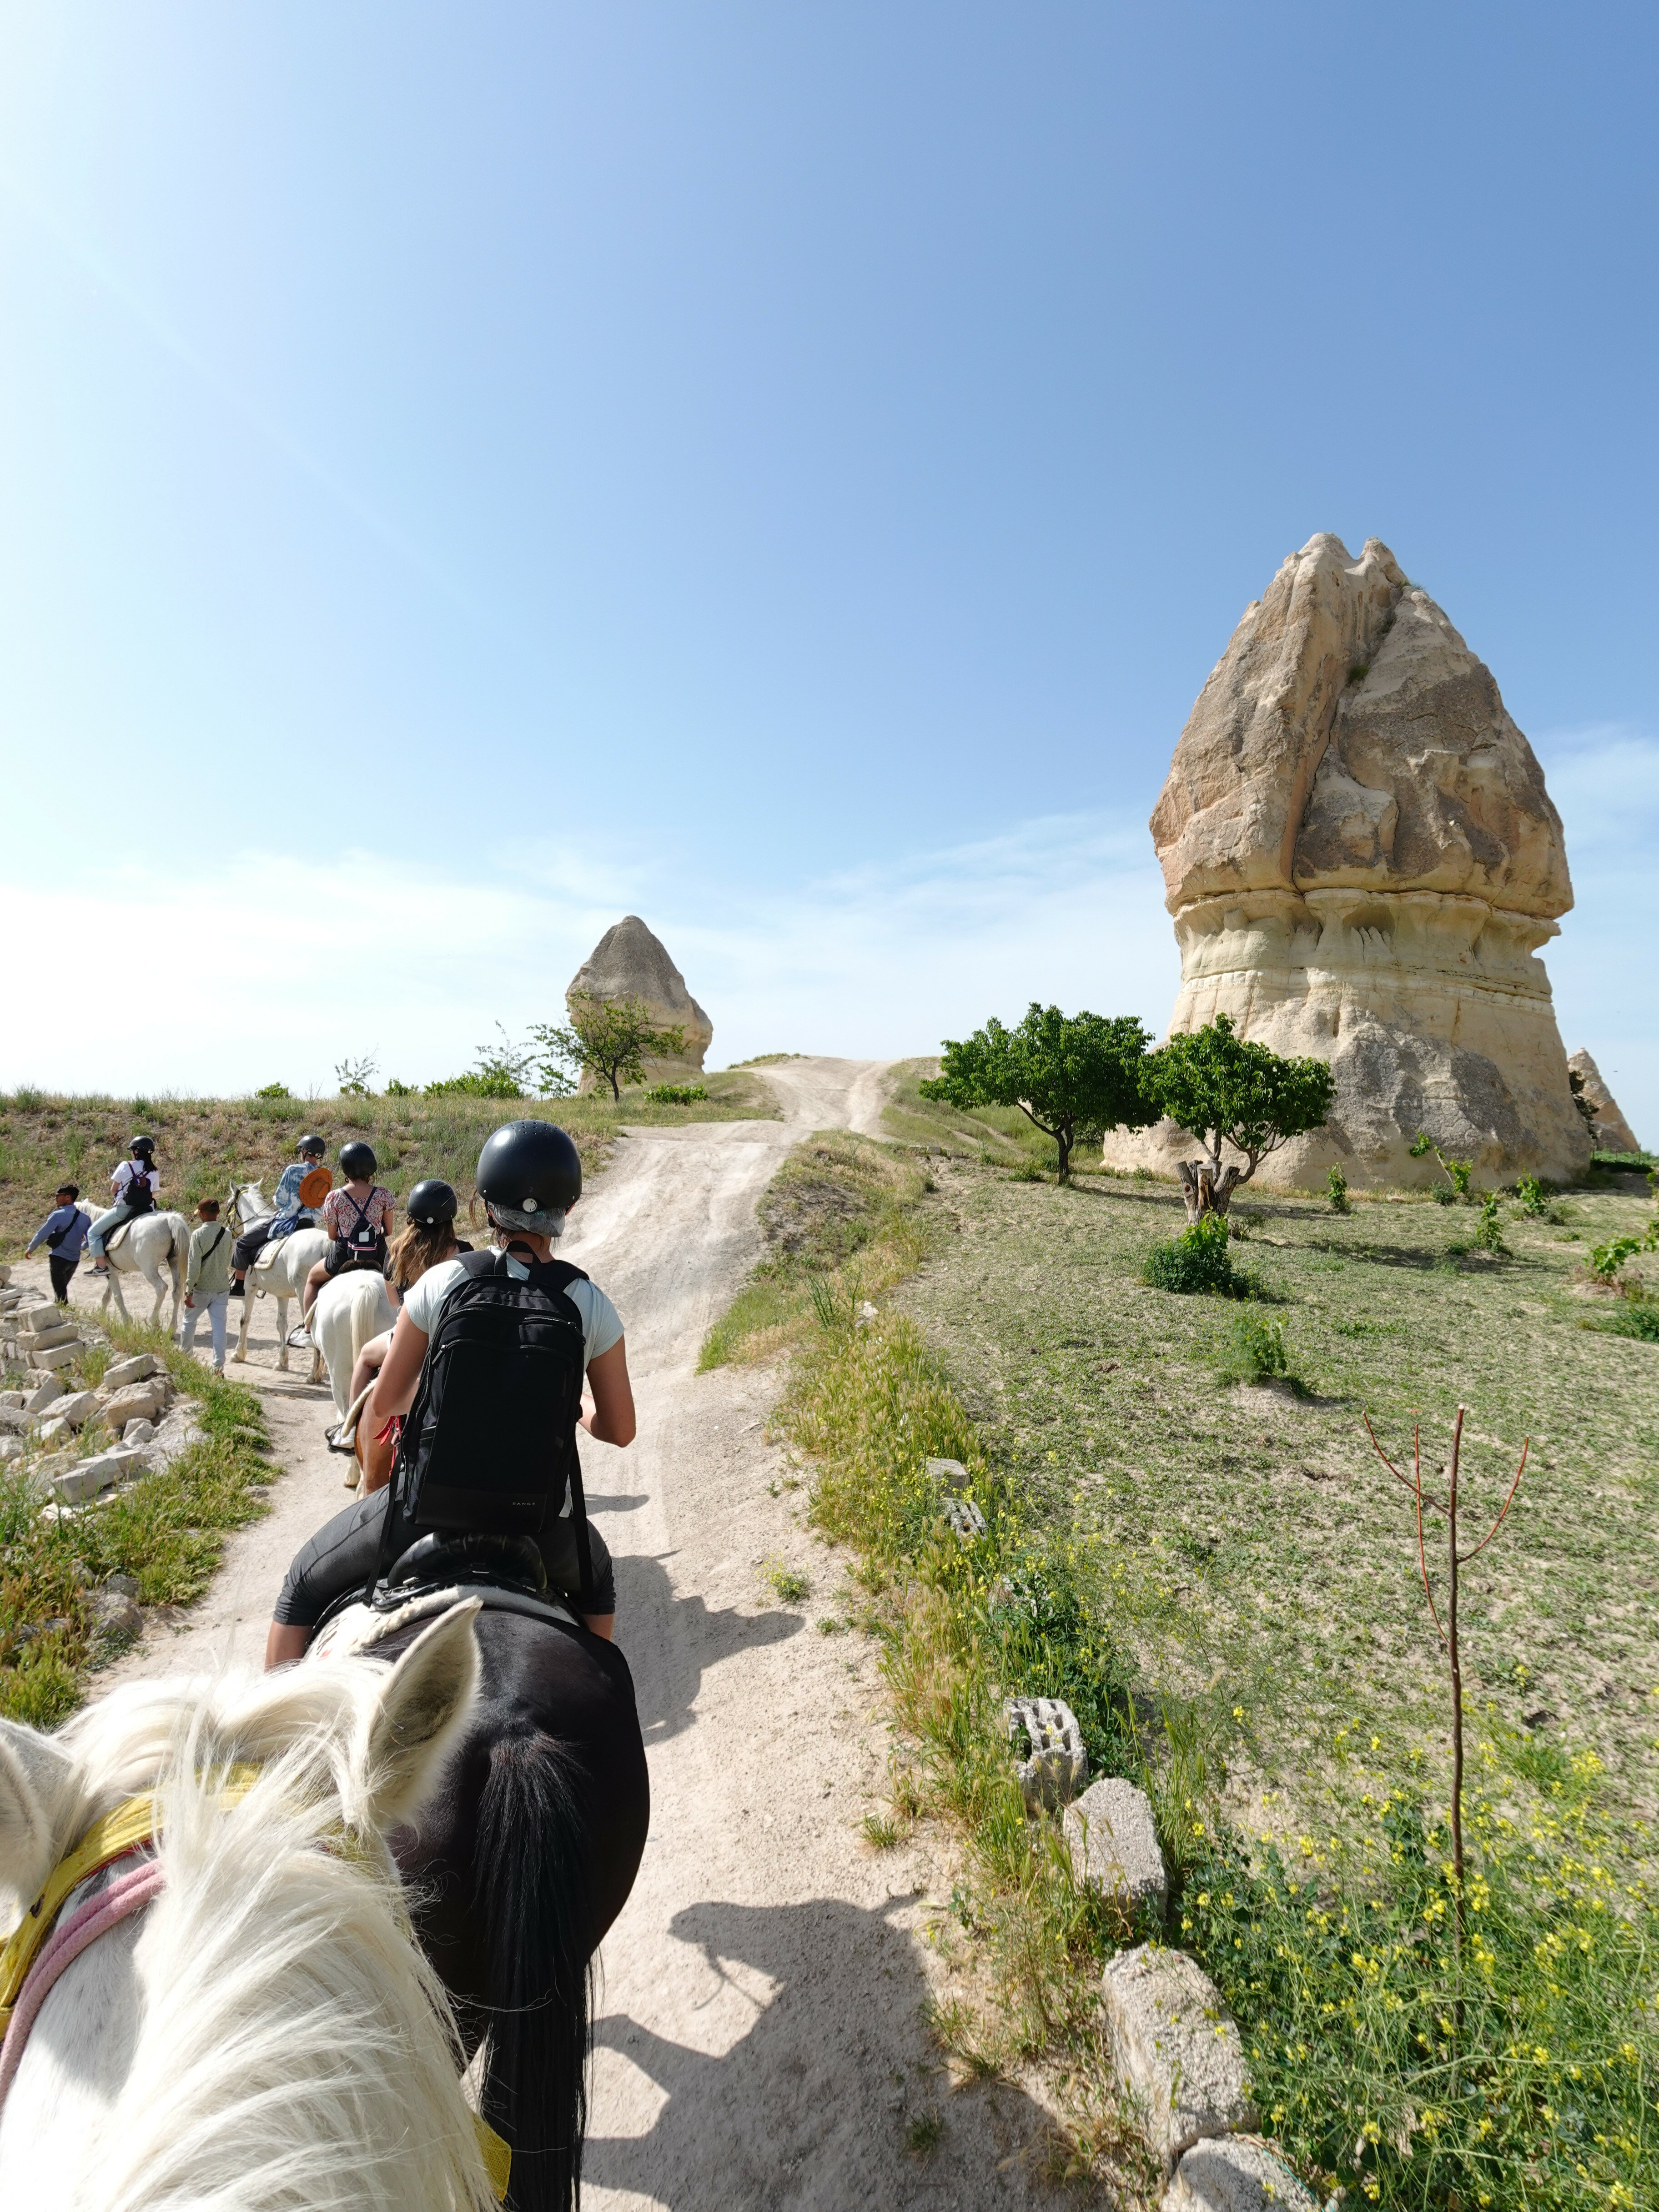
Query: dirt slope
x=759, y=2037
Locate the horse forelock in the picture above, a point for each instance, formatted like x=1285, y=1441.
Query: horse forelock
x=294, y=2047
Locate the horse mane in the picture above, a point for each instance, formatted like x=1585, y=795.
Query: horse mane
x=296, y=2053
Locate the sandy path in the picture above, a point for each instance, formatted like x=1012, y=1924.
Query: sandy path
x=760, y=2039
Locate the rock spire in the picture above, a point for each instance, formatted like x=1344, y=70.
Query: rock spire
x=629, y=963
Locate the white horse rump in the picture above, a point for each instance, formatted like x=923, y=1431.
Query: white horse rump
x=153, y=1242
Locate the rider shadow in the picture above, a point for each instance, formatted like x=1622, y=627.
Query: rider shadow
x=621, y=1501
x=813, y=2104
x=668, y=1666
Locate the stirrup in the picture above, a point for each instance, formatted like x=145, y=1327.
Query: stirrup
x=299, y=1340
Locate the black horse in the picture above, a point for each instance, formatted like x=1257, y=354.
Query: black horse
x=521, y=1861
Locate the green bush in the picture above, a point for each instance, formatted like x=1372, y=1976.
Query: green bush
x=1489, y=1229
x=1198, y=1259
x=1337, y=1184
x=1531, y=1198
x=676, y=1094
x=274, y=1090
x=1258, y=1352
x=1633, y=1317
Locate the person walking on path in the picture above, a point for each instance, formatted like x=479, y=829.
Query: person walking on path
x=207, y=1281
x=135, y=1184
x=63, y=1232
x=289, y=1210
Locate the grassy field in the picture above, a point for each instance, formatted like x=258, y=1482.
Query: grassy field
x=1222, y=1580
x=201, y=1144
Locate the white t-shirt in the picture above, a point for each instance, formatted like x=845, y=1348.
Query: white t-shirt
x=601, y=1323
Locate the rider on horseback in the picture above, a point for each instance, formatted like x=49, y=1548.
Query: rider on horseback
x=483, y=1378
x=135, y=1183
x=290, y=1211
x=357, y=1217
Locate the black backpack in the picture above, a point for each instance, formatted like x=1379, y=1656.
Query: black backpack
x=489, y=1446
x=139, y=1197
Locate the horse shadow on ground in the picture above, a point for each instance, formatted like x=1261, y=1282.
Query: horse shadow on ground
x=669, y=1667
x=813, y=2105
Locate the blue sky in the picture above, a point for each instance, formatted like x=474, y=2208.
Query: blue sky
x=786, y=472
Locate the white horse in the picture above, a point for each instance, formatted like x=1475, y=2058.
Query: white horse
x=252, y=2029
x=349, y=1310
x=292, y=1259
x=149, y=1245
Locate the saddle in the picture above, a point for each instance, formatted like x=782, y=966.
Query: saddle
x=504, y=1574
x=113, y=1243
x=267, y=1259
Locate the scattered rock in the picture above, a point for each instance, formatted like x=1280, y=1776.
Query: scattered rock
x=122, y=1585
x=44, y=1394
x=142, y=1401
x=1362, y=862
x=1610, y=1129
x=1236, y=2173
x=56, y=1355
x=12, y=1419
x=948, y=1474
x=629, y=963
x=86, y=1478
x=124, y=1372
x=1114, y=1844
x=1175, y=2048
x=10, y=1448
x=1057, y=1766
x=117, y=1616
x=75, y=1408
x=40, y=1321
x=12, y=1400
x=138, y=1432
x=967, y=1522
x=181, y=1428
x=55, y=1463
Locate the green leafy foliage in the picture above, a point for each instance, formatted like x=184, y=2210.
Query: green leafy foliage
x=1258, y=1352
x=608, y=1037
x=500, y=1071
x=1224, y=1088
x=1531, y=1198
x=676, y=1094
x=1336, y=1185
x=1065, y=1073
x=1457, y=1172
x=1196, y=1261
x=1606, y=1260
x=1635, y=1317
x=1489, y=1229
x=273, y=1091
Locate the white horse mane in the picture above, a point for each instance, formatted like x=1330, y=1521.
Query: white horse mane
x=295, y=2051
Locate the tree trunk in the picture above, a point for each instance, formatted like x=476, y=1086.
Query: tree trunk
x=1064, y=1140
x=1205, y=1190
x=616, y=1088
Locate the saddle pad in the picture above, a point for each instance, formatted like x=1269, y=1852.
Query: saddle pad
x=359, y=1628
x=114, y=1243
x=267, y=1254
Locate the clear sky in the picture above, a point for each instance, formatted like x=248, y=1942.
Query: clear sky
x=470, y=473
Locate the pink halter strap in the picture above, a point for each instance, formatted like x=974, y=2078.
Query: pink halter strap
x=128, y=1893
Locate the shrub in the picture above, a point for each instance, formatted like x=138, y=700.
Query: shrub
x=1489, y=1229
x=1635, y=1317
x=1337, y=1184
x=1531, y=1198
x=1457, y=1172
x=1258, y=1353
x=394, y=1089
x=676, y=1094
x=1197, y=1260
x=274, y=1090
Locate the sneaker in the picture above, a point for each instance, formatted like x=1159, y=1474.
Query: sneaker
x=238, y=1290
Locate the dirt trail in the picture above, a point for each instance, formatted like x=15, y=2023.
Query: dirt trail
x=759, y=2037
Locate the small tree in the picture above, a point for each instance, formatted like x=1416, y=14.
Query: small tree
x=608, y=1037
x=1225, y=1090
x=1064, y=1072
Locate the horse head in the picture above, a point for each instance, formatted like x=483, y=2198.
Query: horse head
x=248, y=1202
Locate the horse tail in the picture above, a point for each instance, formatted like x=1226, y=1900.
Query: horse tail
x=531, y=1898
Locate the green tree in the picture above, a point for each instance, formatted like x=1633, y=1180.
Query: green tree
x=1227, y=1090
x=1064, y=1072
x=609, y=1037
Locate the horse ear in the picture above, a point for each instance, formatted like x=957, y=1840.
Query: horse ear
x=36, y=1781
x=418, y=1715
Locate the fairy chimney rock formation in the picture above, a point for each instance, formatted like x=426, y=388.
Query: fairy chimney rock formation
x=1362, y=862
x=1609, y=1131
x=629, y=963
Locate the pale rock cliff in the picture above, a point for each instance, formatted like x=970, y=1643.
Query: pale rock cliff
x=1609, y=1131
x=629, y=963
x=1362, y=862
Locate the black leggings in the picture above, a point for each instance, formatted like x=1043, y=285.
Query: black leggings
x=345, y=1554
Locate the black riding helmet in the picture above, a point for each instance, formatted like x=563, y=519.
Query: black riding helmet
x=529, y=1169
x=310, y=1148
x=144, y=1147
x=358, y=1161
x=431, y=1202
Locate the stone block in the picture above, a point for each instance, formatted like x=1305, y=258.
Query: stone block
x=11, y=1446
x=142, y=1401
x=1175, y=2048
x=56, y=1355
x=967, y=1522
x=1114, y=1844
x=77, y=1408
x=13, y=1398
x=124, y=1372
x=1236, y=2173
x=44, y=1324
x=138, y=1432
x=42, y=1394
x=117, y=1615
x=54, y=1430
x=181, y=1428
x=86, y=1478
x=1055, y=1767
x=12, y=1419
x=948, y=1474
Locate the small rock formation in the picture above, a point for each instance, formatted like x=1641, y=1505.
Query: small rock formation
x=1056, y=1766
x=1236, y=2173
x=1362, y=862
x=1609, y=1131
x=629, y=963
x=1175, y=2048
x=1113, y=1840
